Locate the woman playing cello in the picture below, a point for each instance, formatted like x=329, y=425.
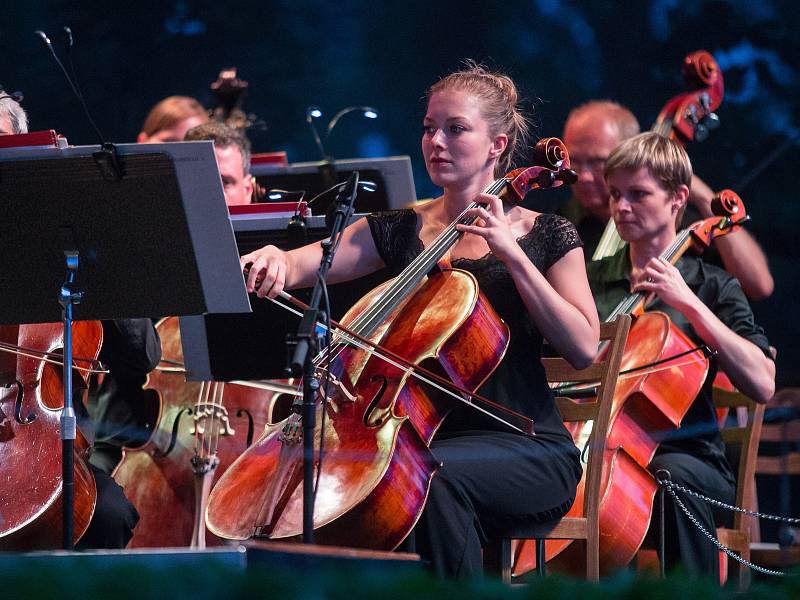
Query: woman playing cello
x=531, y=268
x=648, y=177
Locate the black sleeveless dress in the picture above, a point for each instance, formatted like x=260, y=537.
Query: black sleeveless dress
x=492, y=478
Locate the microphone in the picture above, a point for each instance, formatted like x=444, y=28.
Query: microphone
x=345, y=200
x=326, y=168
x=106, y=158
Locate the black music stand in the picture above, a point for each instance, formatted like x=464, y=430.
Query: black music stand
x=156, y=242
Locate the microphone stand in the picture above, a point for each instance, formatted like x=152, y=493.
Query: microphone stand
x=305, y=348
x=68, y=297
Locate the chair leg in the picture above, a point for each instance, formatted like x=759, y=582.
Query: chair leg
x=744, y=572
x=497, y=558
x=540, y=561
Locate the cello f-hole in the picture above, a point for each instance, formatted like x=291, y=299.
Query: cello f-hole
x=250, y=424
x=375, y=402
x=31, y=416
x=174, y=435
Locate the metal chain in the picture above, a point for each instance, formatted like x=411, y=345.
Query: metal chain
x=730, y=507
x=669, y=485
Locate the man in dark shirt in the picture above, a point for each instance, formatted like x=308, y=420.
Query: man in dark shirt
x=648, y=178
x=131, y=348
x=591, y=132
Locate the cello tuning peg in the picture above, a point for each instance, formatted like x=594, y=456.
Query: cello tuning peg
x=546, y=178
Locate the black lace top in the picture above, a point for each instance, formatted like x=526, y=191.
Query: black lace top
x=519, y=381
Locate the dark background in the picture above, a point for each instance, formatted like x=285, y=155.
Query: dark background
x=334, y=54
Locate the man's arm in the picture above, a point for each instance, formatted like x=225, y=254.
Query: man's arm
x=741, y=254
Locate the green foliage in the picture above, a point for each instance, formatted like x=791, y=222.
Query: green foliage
x=159, y=577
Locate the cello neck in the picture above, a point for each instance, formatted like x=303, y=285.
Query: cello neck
x=419, y=268
x=633, y=303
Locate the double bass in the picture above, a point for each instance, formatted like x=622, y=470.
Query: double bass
x=377, y=412
x=31, y=399
x=200, y=428
x=661, y=373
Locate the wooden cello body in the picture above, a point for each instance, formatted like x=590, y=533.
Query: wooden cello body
x=201, y=428
x=376, y=466
x=31, y=399
x=661, y=373
x=644, y=407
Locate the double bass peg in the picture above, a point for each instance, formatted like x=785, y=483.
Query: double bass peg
x=567, y=176
x=710, y=121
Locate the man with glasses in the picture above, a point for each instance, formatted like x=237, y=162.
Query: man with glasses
x=591, y=132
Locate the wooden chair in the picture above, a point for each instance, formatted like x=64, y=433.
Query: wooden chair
x=743, y=430
x=785, y=435
x=498, y=554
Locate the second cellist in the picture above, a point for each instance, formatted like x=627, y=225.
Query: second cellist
x=648, y=177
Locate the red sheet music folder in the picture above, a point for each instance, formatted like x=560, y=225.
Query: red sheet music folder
x=260, y=210
x=38, y=139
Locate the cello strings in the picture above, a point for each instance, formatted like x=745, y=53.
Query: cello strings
x=410, y=371
x=420, y=266
x=399, y=287
x=407, y=364
x=412, y=274
x=627, y=305
x=198, y=450
x=217, y=416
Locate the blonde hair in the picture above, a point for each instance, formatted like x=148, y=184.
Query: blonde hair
x=171, y=111
x=666, y=160
x=499, y=105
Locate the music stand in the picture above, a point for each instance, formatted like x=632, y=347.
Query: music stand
x=156, y=242
x=392, y=176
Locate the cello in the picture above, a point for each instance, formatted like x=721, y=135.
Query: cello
x=31, y=399
x=200, y=428
x=375, y=418
x=686, y=118
x=661, y=373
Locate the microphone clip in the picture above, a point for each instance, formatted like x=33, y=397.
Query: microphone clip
x=107, y=160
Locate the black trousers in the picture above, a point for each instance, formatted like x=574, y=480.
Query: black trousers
x=114, y=516
x=490, y=481
x=683, y=542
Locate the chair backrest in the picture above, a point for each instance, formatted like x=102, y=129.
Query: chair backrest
x=743, y=429
x=602, y=375
x=781, y=430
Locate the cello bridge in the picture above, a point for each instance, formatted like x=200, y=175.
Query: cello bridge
x=329, y=392
x=214, y=417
